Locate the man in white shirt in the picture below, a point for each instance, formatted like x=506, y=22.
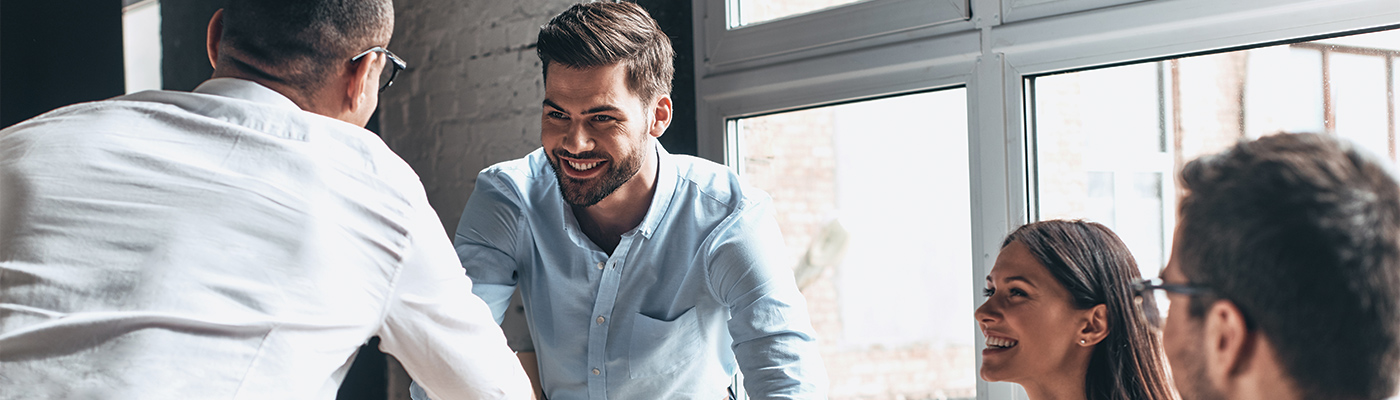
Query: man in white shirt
x=240, y=241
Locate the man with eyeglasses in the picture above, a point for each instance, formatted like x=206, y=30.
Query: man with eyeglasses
x=1284, y=279
x=240, y=241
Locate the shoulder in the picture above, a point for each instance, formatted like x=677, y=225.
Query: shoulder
x=93, y=126
x=529, y=167
x=524, y=176
x=714, y=183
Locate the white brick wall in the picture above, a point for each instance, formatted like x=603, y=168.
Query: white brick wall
x=470, y=97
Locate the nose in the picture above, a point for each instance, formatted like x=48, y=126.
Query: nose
x=987, y=313
x=576, y=138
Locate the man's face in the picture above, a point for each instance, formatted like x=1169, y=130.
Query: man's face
x=594, y=130
x=1183, y=337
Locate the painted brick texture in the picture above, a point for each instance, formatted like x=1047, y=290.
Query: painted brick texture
x=470, y=97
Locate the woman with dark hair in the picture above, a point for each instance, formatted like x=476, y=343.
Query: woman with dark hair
x=1060, y=321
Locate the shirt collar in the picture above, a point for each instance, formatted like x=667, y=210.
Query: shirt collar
x=660, y=201
x=245, y=90
x=665, y=190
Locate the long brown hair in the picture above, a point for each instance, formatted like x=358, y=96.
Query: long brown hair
x=1094, y=265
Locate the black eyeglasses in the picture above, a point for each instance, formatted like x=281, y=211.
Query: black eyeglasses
x=386, y=75
x=1152, y=301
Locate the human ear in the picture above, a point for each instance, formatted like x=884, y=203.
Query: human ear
x=1228, y=342
x=661, y=116
x=214, y=35
x=1095, y=327
x=363, y=82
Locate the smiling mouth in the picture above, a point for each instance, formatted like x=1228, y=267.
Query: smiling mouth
x=1000, y=343
x=583, y=166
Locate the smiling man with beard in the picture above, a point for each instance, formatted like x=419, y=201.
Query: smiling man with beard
x=644, y=275
x=1284, y=280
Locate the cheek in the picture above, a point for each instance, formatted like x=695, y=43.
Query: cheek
x=1051, y=332
x=548, y=124
x=1173, y=335
x=551, y=133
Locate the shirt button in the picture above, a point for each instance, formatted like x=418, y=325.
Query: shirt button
x=596, y=371
x=601, y=319
x=600, y=265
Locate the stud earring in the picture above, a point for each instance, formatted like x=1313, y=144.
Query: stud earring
x=1082, y=341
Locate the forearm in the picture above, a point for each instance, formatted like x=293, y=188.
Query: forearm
x=532, y=369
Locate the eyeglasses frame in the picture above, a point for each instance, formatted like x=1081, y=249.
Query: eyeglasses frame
x=394, y=61
x=1143, y=288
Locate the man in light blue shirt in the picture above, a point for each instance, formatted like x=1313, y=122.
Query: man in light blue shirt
x=644, y=275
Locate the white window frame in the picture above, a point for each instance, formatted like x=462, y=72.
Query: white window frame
x=818, y=33
x=748, y=71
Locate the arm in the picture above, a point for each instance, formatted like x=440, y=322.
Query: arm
x=532, y=369
x=773, y=339
x=445, y=336
x=486, y=233
x=485, y=240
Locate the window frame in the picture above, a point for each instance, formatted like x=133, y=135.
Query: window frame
x=817, y=33
x=991, y=57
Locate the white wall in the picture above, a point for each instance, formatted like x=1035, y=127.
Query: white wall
x=470, y=97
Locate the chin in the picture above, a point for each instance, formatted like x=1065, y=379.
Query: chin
x=990, y=375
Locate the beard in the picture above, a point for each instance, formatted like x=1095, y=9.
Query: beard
x=1190, y=376
x=587, y=192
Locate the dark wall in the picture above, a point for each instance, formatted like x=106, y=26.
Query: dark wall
x=58, y=52
x=675, y=19
x=184, y=25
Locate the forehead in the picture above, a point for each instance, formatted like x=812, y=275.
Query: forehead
x=1172, y=271
x=1016, y=260
x=588, y=86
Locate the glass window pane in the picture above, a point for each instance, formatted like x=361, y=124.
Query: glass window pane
x=1094, y=130
x=1359, y=97
x=749, y=12
x=1288, y=96
x=141, y=45
x=873, y=200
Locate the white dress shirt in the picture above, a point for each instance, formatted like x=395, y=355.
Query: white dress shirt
x=225, y=244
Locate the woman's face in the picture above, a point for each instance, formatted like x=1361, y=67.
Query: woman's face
x=1031, y=325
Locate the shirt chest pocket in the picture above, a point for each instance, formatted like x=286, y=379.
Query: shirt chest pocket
x=661, y=347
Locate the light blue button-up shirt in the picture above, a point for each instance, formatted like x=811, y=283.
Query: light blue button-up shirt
x=701, y=286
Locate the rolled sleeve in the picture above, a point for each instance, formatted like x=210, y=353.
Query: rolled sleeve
x=486, y=237
x=773, y=340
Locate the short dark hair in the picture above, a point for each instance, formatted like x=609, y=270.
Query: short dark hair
x=591, y=35
x=1095, y=267
x=1302, y=233
x=299, y=42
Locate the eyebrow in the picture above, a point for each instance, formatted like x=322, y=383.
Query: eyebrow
x=551, y=104
x=593, y=110
x=1013, y=278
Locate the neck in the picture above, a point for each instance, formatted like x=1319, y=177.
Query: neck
x=1260, y=375
x=622, y=210
x=250, y=73
x=1066, y=382
x=1057, y=388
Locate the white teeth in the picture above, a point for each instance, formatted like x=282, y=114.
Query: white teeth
x=999, y=342
x=584, y=167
